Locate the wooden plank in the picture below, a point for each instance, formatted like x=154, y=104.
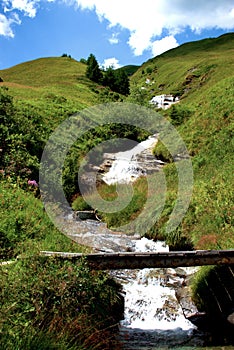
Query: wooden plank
x=129, y=260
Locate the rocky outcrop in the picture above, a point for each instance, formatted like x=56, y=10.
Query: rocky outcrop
x=214, y=295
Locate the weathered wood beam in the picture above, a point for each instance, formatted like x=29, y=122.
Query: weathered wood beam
x=126, y=260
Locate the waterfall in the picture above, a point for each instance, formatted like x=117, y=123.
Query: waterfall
x=152, y=311
x=153, y=317
x=125, y=167
x=153, y=314
x=150, y=301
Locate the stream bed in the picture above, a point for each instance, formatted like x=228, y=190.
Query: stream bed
x=153, y=314
x=157, y=301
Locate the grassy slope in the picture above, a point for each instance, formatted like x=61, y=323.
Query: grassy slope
x=130, y=69
x=45, y=91
x=202, y=72
x=62, y=76
x=195, y=66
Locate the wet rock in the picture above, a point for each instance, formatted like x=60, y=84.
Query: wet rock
x=85, y=215
x=230, y=318
x=157, y=339
x=183, y=296
x=180, y=272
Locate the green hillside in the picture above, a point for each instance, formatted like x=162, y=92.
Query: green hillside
x=62, y=76
x=130, y=69
x=201, y=73
x=47, y=90
x=189, y=69
x=46, y=304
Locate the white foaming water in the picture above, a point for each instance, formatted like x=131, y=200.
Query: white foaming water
x=152, y=311
x=150, y=300
x=147, y=245
x=123, y=171
x=125, y=168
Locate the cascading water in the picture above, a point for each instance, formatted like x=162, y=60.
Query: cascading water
x=153, y=315
x=153, y=319
x=152, y=293
x=126, y=167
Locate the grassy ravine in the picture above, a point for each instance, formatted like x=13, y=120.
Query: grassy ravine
x=201, y=74
x=42, y=93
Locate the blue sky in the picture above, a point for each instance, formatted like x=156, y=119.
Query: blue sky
x=117, y=32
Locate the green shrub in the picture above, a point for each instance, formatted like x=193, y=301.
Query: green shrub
x=149, y=70
x=136, y=204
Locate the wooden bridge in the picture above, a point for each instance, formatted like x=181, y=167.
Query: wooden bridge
x=130, y=260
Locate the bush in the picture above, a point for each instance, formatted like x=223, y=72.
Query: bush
x=149, y=70
x=123, y=217
x=212, y=290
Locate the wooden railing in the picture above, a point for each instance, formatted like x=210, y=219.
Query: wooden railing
x=125, y=260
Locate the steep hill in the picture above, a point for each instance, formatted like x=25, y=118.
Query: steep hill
x=189, y=69
x=43, y=78
x=130, y=69
x=202, y=74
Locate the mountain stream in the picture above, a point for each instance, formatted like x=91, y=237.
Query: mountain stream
x=155, y=317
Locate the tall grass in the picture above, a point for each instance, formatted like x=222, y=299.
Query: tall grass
x=57, y=305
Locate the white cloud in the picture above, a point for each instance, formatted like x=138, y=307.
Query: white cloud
x=111, y=62
x=28, y=7
x=114, y=39
x=5, y=25
x=147, y=19
x=165, y=44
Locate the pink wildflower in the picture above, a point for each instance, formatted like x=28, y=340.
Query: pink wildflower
x=32, y=183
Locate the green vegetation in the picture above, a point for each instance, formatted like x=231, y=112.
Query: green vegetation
x=212, y=291
x=93, y=72
x=204, y=119
x=35, y=97
x=129, y=70
x=46, y=303
x=116, y=80
x=201, y=65
x=49, y=304
x=128, y=214
x=38, y=82
x=35, y=310
x=24, y=227
x=201, y=73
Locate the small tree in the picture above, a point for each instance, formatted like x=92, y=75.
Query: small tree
x=109, y=79
x=93, y=72
x=83, y=60
x=122, y=82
